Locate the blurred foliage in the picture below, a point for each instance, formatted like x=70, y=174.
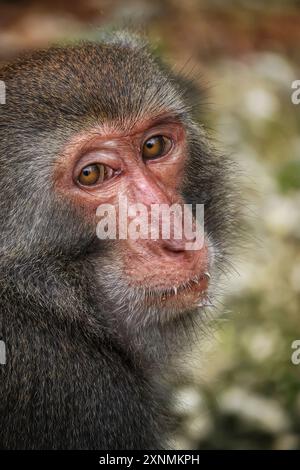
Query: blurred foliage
x=241, y=390
x=289, y=175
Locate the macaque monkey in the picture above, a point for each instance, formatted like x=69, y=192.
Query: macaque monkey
x=90, y=325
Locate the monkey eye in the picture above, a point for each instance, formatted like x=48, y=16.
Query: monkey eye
x=156, y=147
x=94, y=174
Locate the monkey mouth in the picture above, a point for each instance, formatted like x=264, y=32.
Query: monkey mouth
x=192, y=293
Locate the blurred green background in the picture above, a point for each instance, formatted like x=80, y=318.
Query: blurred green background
x=240, y=390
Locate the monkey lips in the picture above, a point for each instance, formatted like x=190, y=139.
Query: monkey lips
x=190, y=294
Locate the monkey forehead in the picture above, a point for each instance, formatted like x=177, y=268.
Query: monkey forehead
x=98, y=82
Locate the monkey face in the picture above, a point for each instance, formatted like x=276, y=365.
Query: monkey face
x=143, y=165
